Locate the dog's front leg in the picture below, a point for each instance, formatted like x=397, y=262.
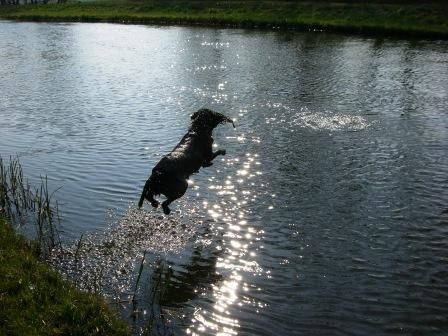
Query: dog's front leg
x=219, y=152
x=214, y=155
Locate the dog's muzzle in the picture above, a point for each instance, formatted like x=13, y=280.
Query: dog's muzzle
x=230, y=121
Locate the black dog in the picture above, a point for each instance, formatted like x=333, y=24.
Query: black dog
x=169, y=177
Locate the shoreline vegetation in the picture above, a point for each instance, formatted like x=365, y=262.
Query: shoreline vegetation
x=34, y=298
x=379, y=17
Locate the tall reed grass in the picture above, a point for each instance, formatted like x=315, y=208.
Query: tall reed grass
x=21, y=204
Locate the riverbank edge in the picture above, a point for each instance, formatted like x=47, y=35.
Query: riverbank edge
x=35, y=300
x=401, y=20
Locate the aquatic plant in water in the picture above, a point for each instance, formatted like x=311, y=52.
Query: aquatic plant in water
x=21, y=204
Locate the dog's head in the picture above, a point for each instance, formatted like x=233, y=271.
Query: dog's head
x=208, y=119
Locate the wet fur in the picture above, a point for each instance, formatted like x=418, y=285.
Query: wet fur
x=169, y=177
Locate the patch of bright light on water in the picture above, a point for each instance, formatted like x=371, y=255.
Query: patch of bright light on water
x=238, y=257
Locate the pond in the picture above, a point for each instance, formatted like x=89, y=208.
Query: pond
x=328, y=215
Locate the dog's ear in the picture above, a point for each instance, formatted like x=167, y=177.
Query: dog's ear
x=194, y=115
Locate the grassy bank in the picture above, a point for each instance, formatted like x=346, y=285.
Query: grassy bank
x=34, y=300
x=411, y=19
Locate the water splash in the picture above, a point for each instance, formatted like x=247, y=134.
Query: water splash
x=329, y=121
x=105, y=262
x=305, y=118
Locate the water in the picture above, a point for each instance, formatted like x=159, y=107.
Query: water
x=328, y=215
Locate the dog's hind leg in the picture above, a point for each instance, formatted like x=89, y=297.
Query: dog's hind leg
x=150, y=198
x=178, y=189
x=148, y=194
x=165, y=208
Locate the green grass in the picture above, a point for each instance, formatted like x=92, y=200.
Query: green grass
x=35, y=300
x=425, y=19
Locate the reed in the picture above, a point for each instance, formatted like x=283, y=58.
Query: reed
x=139, y=275
x=46, y=215
x=156, y=323
x=78, y=250
x=15, y=192
x=20, y=204
x=149, y=288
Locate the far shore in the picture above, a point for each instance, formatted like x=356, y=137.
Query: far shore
x=397, y=18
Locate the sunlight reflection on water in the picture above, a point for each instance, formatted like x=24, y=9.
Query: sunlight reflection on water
x=239, y=257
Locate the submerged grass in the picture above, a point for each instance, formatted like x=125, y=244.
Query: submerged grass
x=410, y=18
x=35, y=300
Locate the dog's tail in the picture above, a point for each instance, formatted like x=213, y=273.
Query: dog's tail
x=146, y=189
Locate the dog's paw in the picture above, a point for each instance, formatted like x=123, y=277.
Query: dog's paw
x=222, y=152
x=155, y=203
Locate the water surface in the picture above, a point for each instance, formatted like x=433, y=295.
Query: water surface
x=328, y=215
